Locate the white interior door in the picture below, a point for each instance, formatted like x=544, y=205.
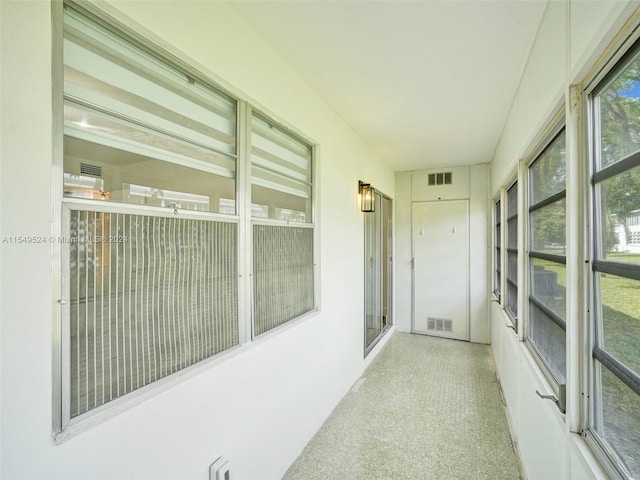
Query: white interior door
x=441, y=268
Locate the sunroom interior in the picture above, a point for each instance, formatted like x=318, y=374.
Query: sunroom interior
x=216, y=215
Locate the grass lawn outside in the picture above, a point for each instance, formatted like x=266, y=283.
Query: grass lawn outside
x=621, y=338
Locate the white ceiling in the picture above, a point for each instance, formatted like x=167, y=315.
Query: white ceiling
x=425, y=83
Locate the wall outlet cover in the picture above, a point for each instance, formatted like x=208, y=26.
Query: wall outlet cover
x=219, y=470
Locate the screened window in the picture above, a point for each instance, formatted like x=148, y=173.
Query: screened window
x=149, y=270
x=512, y=253
x=150, y=221
x=615, y=423
x=148, y=296
x=497, y=279
x=282, y=274
x=281, y=201
x=546, y=324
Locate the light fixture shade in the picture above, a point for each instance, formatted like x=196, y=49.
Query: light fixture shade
x=367, y=197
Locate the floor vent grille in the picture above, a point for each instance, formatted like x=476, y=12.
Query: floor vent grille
x=439, y=324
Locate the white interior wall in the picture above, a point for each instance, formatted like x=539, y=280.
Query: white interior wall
x=570, y=40
x=469, y=182
x=258, y=406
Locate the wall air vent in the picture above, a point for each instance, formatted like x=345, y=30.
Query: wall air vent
x=442, y=178
x=439, y=324
x=94, y=170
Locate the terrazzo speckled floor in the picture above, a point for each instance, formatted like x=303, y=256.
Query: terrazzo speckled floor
x=426, y=408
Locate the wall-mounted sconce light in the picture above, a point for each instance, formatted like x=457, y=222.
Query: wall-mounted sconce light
x=366, y=197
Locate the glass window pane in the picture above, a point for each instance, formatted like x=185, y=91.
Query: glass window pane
x=140, y=130
x=512, y=219
x=498, y=212
x=549, y=285
x=548, y=172
x=619, y=115
x=108, y=71
x=512, y=277
x=372, y=275
x=512, y=299
x=548, y=228
x=512, y=233
x=274, y=149
x=621, y=319
x=108, y=130
x=512, y=200
x=617, y=215
x=512, y=267
x=281, y=173
x=100, y=172
x=550, y=342
x=620, y=215
x=280, y=197
x=621, y=420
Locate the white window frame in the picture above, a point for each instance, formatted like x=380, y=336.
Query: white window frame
x=498, y=247
x=251, y=221
x=549, y=138
x=62, y=426
x=626, y=48
x=517, y=217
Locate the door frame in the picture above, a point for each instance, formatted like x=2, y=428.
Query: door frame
x=389, y=267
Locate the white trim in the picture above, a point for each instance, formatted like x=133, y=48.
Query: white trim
x=132, y=208
x=615, y=48
x=243, y=210
x=523, y=235
x=584, y=454
x=57, y=334
x=385, y=337
x=554, y=126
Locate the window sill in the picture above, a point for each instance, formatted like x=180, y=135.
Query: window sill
x=584, y=457
x=546, y=387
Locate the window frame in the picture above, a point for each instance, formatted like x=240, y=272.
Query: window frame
x=380, y=226
x=510, y=251
x=595, y=357
x=64, y=427
x=497, y=249
x=252, y=221
x=531, y=300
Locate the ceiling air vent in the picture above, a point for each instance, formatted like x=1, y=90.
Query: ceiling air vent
x=441, y=178
x=94, y=170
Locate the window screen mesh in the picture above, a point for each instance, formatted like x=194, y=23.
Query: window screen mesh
x=282, y=274
x=512, y=252
x=148, y=297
